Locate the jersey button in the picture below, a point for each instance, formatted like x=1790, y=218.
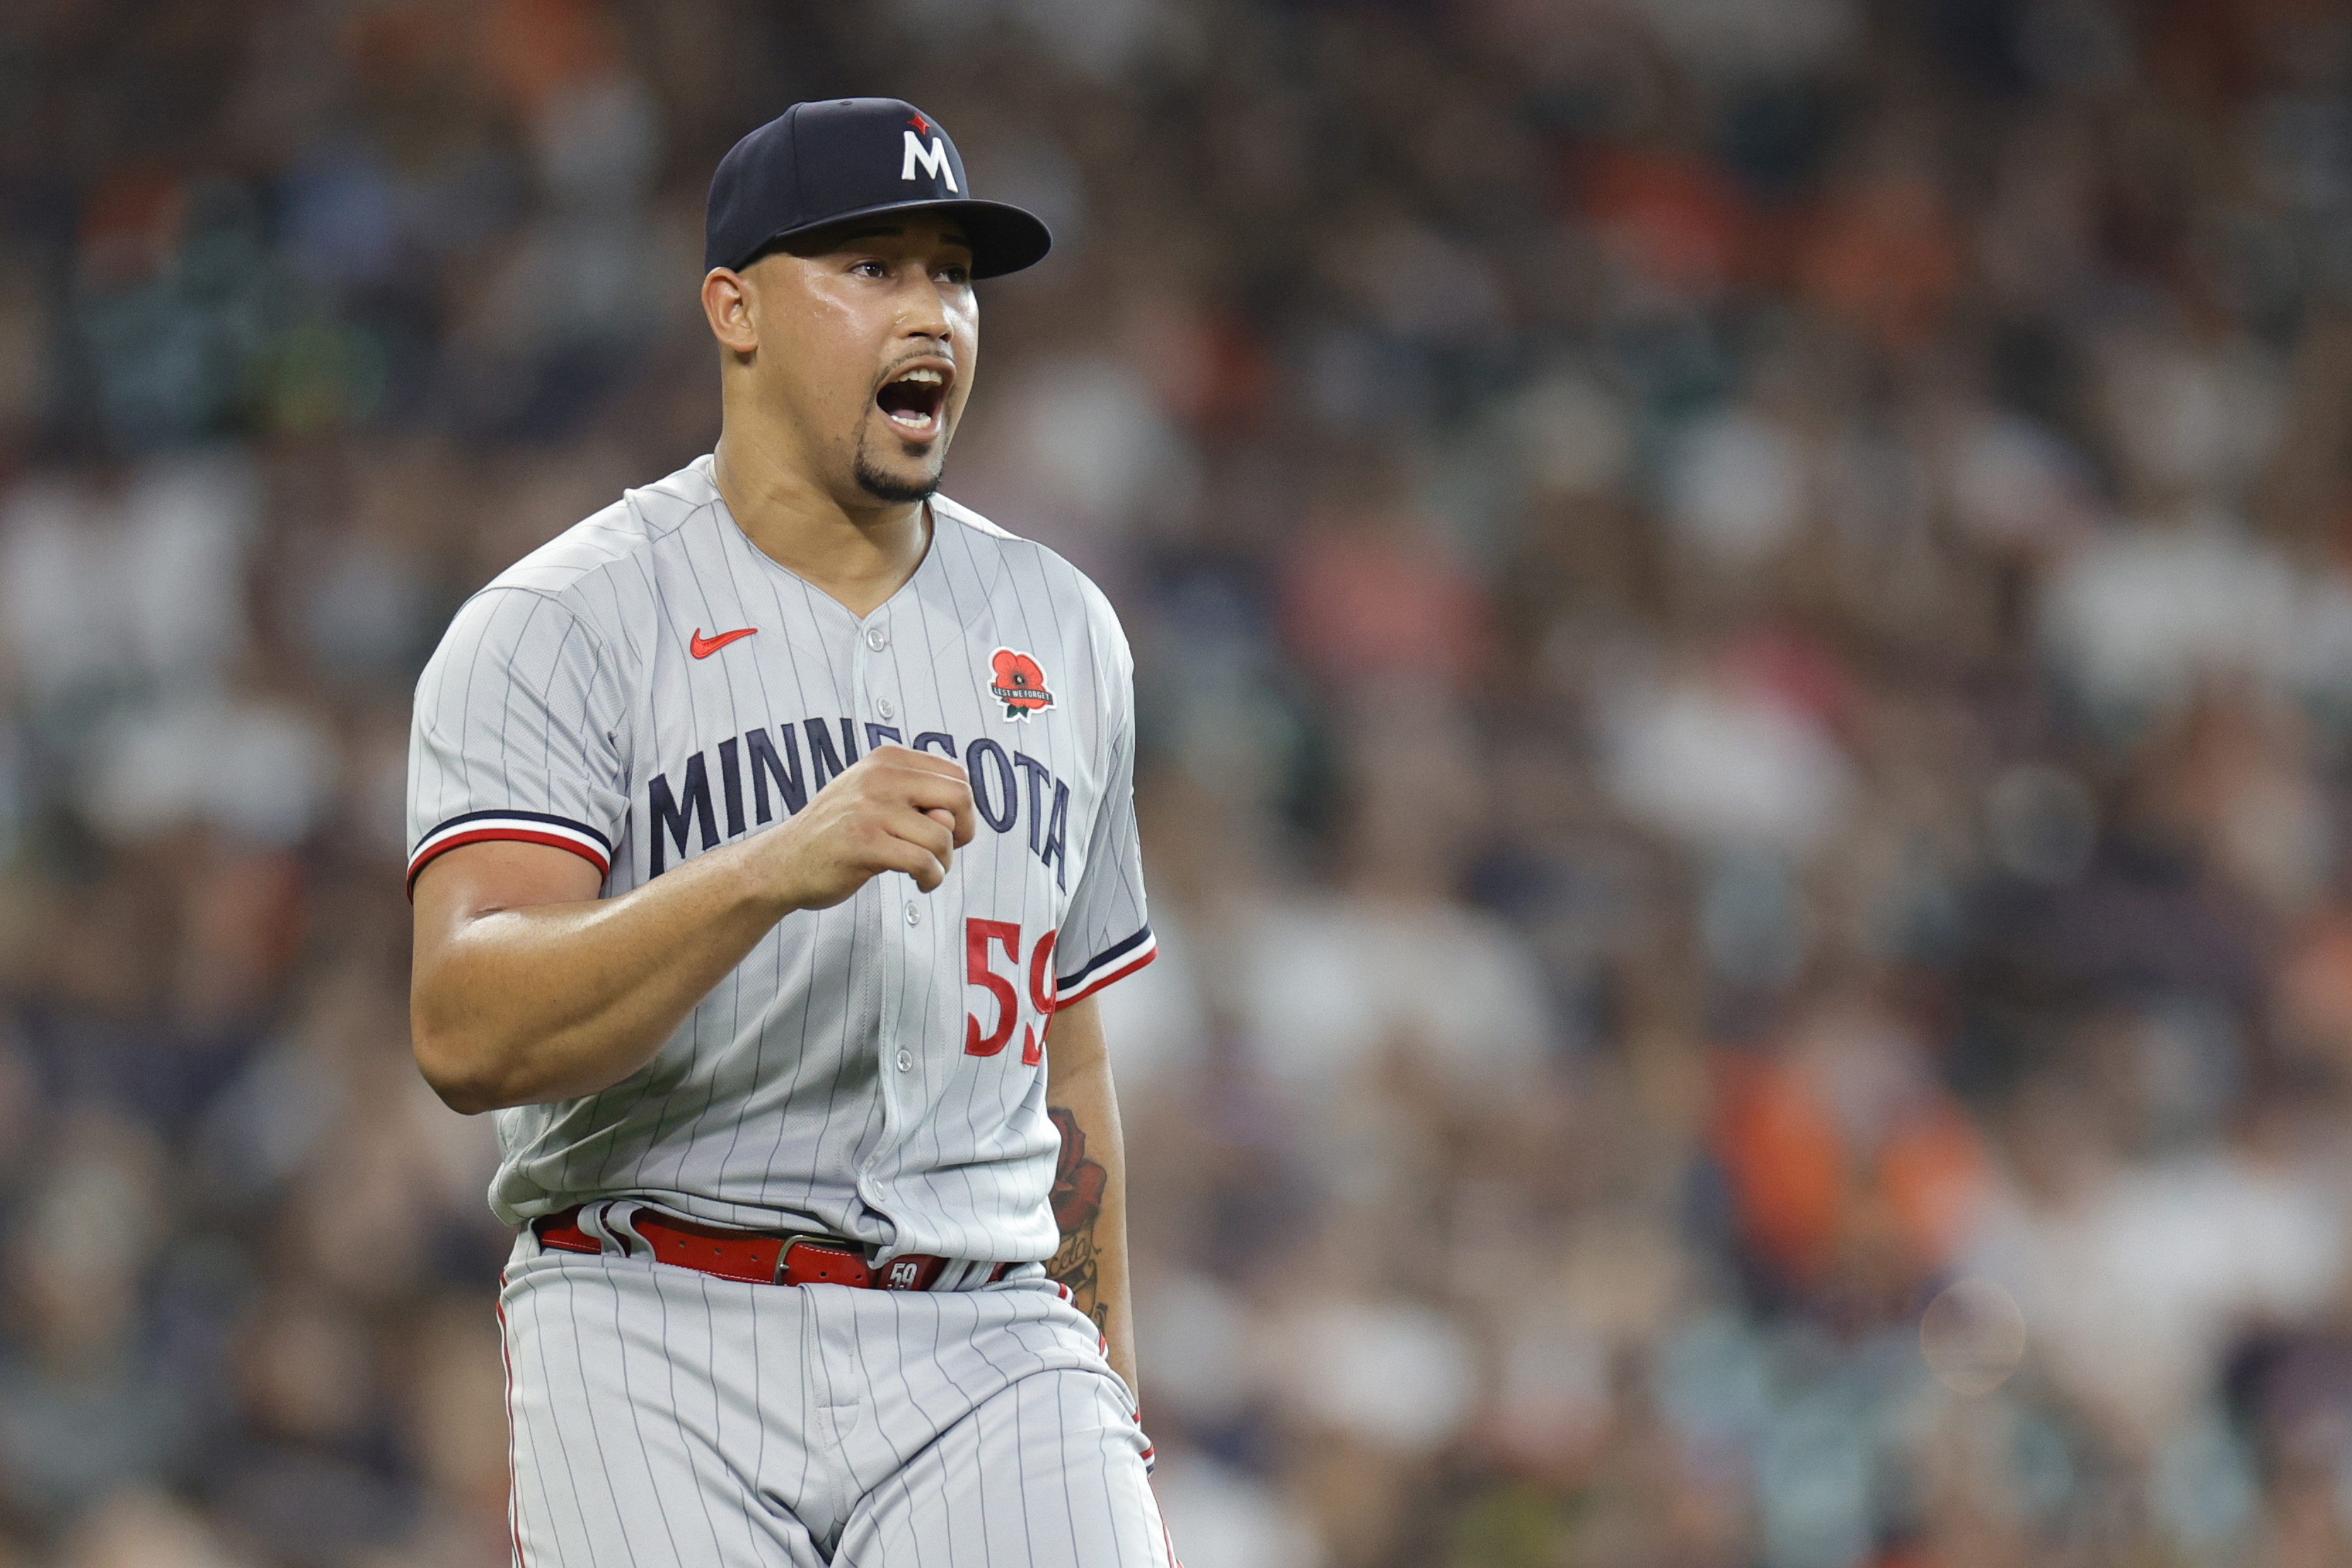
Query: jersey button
x=882, y=706
x=877, y=639
x=914, y=913
x=906, y=1061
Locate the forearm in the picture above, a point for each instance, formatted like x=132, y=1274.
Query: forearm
x=1090, y=1189
x=555, y=1000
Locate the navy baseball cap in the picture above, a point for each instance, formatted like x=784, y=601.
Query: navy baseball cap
x=817, y=163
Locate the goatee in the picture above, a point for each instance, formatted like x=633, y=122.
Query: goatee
x=883, y=487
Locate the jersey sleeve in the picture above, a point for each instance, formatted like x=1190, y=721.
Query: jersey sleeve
x=516, y=735
x=1106, y=933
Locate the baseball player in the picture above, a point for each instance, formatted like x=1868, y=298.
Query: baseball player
x=774, y=832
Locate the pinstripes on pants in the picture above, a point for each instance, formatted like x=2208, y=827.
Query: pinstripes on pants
x=663, y=1416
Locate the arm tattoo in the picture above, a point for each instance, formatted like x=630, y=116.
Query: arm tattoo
x=1079, y=1185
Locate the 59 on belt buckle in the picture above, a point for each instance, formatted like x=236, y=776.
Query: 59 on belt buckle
x=809, y=1261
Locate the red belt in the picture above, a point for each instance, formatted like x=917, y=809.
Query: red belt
x=756, y=1257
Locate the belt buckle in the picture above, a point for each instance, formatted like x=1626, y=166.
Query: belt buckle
x=838, y=1266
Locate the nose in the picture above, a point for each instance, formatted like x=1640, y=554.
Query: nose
x=923, y=307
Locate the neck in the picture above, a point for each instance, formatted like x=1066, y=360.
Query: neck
x=857, y=554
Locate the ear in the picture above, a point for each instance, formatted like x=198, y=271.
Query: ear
x=727, y=304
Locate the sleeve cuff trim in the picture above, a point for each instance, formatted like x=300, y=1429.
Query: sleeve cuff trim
x=1108, y=955
x=1115, y=964
x=512, y=826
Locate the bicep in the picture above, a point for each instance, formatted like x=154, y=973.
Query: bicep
x=476, y=879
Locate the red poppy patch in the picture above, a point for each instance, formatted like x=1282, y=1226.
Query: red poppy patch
x=1019, y=682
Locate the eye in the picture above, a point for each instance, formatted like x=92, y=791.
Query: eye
x=954, y=274
x=869, y=268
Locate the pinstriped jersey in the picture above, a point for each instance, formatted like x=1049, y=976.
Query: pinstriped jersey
x=650, y=686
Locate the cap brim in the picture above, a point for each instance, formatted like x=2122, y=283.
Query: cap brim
x=1004, y=239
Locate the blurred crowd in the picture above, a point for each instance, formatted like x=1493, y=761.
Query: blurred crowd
x=1744, y=630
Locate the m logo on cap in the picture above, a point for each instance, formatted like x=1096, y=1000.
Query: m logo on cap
x=934, y=160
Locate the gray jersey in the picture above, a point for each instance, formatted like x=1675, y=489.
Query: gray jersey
x=649, y=686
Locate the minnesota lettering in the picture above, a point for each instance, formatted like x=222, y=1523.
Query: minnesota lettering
x=761, y=774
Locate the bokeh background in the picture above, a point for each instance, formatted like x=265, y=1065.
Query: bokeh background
x=1746, y=663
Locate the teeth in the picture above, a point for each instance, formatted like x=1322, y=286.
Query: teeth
x=924, y=377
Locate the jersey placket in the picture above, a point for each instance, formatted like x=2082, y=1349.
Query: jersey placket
x=904, y=1075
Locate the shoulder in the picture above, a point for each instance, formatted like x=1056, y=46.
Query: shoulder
x=1052, y=611
x=613, y=540
x=1035, y=566
x=587, y=576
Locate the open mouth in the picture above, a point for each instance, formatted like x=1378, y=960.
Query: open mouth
x=914, y=399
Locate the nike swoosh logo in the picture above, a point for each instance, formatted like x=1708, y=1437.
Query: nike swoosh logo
x=703, y=647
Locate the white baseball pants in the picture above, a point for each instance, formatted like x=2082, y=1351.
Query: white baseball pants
x=664, y=1418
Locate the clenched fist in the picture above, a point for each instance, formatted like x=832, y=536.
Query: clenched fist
x=893, y=810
